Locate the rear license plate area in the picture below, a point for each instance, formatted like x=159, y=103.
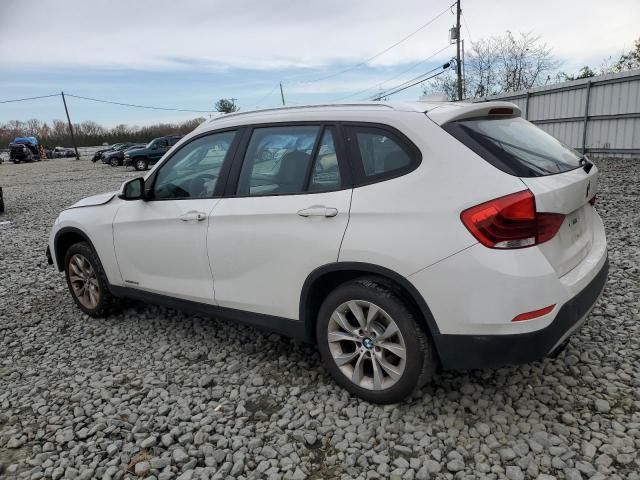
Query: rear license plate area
x=576, y=223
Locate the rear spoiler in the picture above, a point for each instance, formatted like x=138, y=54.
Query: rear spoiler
x=452, y=112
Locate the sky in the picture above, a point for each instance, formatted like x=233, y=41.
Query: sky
x=187, y=54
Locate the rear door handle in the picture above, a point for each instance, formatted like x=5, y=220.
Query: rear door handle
x=318, y=211
x=193, y=215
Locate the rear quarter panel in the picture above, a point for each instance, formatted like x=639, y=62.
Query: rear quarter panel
x=411, y=222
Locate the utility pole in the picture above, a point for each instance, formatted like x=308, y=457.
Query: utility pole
x=73, y=138
x=282, y=94
x=458, y=62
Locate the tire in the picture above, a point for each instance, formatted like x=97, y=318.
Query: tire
x=398, y=378
x=114, y=162
x=140, y=164
x=82, y=264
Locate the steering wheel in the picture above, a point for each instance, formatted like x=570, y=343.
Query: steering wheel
x=198, y=185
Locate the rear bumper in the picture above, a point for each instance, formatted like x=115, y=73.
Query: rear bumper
x=487, y=351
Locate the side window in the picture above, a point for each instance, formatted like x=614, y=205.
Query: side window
x=382, y=153
x=326, y=174
x=277, y=160
x=192, y=172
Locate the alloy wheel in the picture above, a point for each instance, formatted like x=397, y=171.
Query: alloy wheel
x=366, y=345
x=84, y=281
x=140, y=165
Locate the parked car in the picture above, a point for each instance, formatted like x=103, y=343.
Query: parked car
x=115, y=158
x=119, y=147
x=141, y=158
x=24, y=149
x=63, y=152
x=409, y=236
x=98, y=154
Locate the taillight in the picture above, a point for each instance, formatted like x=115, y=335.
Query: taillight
x=511, y=222
x=592, y=200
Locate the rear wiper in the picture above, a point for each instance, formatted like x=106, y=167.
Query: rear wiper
x=585, y=163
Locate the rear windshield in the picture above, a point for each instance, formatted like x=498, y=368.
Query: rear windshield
x=515, y=146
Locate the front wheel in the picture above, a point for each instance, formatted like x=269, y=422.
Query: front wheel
x=371, y=342
x=114, y=162
x=141, y=164
x=87, y=281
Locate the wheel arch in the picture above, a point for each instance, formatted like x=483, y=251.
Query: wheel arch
x=64, y=238
x=326, y=278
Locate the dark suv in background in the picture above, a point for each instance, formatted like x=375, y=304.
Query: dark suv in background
x=141, y=158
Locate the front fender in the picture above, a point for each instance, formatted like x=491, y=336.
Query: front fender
x=93, y=224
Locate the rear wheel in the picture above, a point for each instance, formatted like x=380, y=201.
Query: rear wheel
x=114, y=162
x=372, y=344
x=87, y=281
x=141, y=164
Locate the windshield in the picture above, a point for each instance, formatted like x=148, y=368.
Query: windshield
x=515, y=146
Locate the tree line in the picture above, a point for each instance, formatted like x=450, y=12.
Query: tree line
x=90, y=133
x=515, y=62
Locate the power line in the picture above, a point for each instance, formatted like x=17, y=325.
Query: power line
x=267, y=95
x=399, y=89
x=414, y=78
x=29, y=98
x=138, y=106
x=424, y=60
x=382, y=52
x=466, y=26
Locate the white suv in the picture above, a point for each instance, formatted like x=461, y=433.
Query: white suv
x=396, y=236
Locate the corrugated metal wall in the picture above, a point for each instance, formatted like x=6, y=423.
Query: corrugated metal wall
x=608, y=106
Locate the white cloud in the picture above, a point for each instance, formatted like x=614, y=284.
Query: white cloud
x=279, y=34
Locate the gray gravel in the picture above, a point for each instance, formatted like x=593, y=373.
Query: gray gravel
x=154, y=392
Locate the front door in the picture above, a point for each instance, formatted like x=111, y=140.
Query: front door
x=161, y=242
x=288, y=216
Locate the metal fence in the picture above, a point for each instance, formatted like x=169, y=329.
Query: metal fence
x=598, y=115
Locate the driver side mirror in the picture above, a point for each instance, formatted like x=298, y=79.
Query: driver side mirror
x=132, y=190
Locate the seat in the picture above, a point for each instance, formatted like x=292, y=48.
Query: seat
x=293, y=172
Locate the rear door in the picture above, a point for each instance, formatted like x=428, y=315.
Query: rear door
x=561, y=180
x=286, y=216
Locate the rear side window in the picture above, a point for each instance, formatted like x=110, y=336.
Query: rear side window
x=382, y=153
x=278, y=160
x=515, y=146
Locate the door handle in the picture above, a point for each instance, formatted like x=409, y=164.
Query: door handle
x=318, y=211
x=193, y=215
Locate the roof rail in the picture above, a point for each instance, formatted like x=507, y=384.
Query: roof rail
x=302, y=107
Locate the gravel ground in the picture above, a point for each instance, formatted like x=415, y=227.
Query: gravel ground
x=154, y=392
